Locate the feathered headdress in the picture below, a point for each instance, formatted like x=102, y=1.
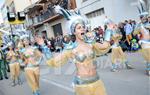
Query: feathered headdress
x=142, y=8
x=73, y=16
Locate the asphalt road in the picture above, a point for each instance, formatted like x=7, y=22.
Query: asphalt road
x=58, y=81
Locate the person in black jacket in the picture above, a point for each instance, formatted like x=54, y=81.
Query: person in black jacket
x=3, y=70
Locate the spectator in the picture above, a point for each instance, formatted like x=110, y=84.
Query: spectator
x=101, y=32
x=133, y=23
x=135, y=45
x=149, y=19
x=52, y=41
x=105, y=27
x=121, y=29
x=128, y=30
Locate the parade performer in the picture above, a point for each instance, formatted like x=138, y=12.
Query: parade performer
x=117, y=55
x=14, y=65
x=87, y=81
x=143, y=29
x=21, y=49
x=3, y=70
x=32, y=59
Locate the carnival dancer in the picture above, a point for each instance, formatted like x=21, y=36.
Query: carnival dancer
x=117, y=55
x=87, y=81
x=21, y=49
x=143, y=29
x=14, y=65
x=32, y=58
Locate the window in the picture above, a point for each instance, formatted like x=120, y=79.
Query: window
x=57, y=29
x=96, y=13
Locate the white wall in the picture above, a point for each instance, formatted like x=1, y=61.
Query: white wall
x=1, y=19
x=48, y=27
x=122, y=10
x=117, y=10
x=4, y=18
x=63, y=25
x=22, y=4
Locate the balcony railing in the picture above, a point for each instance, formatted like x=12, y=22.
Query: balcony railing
x=47, y=14
x=42, y=17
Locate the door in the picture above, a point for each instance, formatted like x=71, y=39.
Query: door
x=57, y=29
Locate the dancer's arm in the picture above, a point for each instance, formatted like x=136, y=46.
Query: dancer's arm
x=54, y=60
x=101, y=48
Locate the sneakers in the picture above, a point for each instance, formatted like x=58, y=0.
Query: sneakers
x=19, y=81
x=13, y=83
x=37, y=92
x=6, y=77
x=148, y=69
x=1, y=78
x=128, y=66
x=114, y=68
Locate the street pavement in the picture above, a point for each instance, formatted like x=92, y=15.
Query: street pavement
x=58, y=81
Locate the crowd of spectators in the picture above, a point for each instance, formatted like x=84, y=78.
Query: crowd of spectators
x=128, y=42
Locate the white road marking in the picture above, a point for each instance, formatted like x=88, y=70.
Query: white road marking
x=58, y=84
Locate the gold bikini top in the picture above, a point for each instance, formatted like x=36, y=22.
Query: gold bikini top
x=81, y=56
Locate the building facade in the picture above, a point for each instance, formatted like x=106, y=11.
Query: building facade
x=5, y=24
x=13, y=6
x=42, y=18
x=18, y=5
x=117, y=10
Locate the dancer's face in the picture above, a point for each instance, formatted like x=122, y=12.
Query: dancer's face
x=10, y=48
x=80, y=31
x=20, y=44
x=144, y=20
x=39, y=40
x=26, y=42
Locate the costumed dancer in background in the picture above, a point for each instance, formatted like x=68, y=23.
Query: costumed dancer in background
x=14, y=65
x=21, y=50
x=117, y=55
x=87, y=80
x=143, y=29
x=32, y=57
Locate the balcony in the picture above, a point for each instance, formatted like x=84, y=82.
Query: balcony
x=43, y=11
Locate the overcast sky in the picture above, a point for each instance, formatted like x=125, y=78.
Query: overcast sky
x=1, y=2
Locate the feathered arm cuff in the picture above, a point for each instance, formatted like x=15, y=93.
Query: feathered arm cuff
x=60, y=59
x=101, y=48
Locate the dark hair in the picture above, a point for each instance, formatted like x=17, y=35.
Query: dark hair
x=73, y=38
x=68, y=38
x=126, y=21
x=45, y=42
x=12, y=48
x=105, y=27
